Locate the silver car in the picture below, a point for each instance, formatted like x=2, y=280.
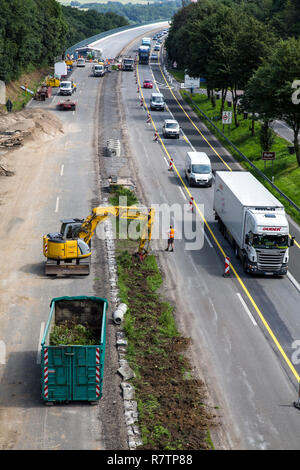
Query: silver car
x=171, y=128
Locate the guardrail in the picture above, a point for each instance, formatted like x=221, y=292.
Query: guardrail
x=257, y=170
x=97, y=37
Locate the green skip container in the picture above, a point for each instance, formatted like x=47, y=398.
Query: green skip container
x=74, y=372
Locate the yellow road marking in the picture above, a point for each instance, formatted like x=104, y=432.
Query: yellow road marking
x=264, y=321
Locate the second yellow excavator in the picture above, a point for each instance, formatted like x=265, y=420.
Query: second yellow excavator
x=69, y=251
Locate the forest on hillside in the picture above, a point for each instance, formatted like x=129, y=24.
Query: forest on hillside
x=139, y=12
x=34, y=32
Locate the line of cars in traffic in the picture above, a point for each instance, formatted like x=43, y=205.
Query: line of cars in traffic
x=156, y=48
x=198, y=170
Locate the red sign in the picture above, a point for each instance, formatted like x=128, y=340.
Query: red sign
x=273, y=229
x=268, y=155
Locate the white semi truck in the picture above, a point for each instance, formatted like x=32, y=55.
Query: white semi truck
x=254, y=221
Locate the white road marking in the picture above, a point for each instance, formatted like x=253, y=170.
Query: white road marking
x=2, y=352
x=183, y=195
x=166, y=161
x=62, y=170
x=207, y=239
x=293, y=281
x=38, y=356
x=246, y=309
x=57, y=204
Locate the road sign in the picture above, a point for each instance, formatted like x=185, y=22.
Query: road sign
x=190, y=82
x=227, y=117
x=268, y=155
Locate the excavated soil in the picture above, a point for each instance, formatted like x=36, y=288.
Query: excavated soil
x=21, y=128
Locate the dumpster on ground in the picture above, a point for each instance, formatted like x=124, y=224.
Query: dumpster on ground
x=74, y=372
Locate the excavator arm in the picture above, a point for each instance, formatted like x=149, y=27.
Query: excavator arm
x=69, y=250
x=100, y=214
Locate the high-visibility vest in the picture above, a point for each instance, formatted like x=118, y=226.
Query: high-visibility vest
x=171, y=233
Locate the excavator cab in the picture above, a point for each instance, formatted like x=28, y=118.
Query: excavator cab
x=70, y=227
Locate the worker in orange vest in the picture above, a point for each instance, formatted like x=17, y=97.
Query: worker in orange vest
x=171, y=234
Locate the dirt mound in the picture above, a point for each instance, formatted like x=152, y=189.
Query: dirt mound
x=30, y=122
x=17, y=129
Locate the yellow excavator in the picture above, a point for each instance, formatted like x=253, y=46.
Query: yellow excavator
x=69, y=251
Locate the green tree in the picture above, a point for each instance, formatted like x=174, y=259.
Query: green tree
x=266, y=136
x=270, y=89
x=218, y=48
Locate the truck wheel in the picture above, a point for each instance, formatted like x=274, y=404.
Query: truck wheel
x=236, y=250
x=245, y=265
x=221, y=227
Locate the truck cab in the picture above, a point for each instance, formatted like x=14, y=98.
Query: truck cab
x=267, y=241
x=128, y=63
x=144, y=52
x=146, y=42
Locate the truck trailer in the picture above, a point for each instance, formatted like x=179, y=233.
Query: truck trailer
x=254, y=221
x=144, y=53
x=74, y=372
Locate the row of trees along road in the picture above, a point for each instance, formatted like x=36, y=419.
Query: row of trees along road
x=235, y=46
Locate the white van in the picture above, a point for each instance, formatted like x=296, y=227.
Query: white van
x=157, y=102
x=98, y=70
x=66, y=88
x=81, y=62
x=198, y=169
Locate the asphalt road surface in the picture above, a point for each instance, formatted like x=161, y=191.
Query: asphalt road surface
x=243, y=328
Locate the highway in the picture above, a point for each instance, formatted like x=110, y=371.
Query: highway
x=243, y=328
